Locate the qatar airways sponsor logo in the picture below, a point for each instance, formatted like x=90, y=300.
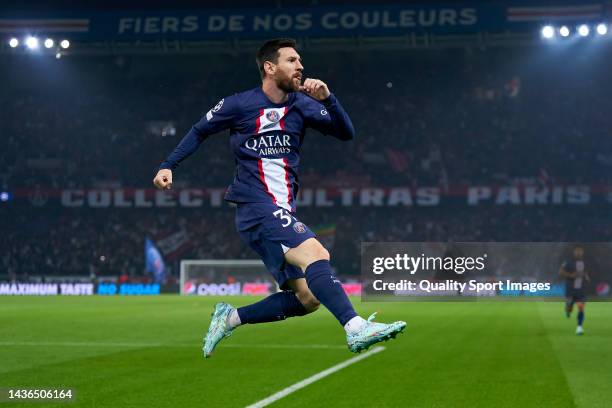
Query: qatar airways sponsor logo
x=267, y=145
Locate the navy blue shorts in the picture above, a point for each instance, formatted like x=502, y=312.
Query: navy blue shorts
x=575, y=295
x=271, y=231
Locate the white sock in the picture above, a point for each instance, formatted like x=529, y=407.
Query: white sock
x=233, y=320
x=354, y=325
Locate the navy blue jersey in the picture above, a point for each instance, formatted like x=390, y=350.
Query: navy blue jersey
x=574, y=265
x=265, y=138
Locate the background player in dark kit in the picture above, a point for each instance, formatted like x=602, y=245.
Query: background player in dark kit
x=267, y=127
x=576, y=276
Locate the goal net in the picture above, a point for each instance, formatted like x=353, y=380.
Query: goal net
x=210, y=277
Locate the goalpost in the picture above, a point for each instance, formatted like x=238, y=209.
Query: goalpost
x=225, y=277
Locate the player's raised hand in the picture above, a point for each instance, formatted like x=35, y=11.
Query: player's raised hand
x=163, y=179
x=315, y=88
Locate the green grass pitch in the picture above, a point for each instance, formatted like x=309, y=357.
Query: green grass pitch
x=146, y=352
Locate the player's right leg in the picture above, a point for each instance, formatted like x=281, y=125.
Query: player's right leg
x=313, y=259
x=304, y=295
x=298, y=301
x=219, y=327
x=270, y=238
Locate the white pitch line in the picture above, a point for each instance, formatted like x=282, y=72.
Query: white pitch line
x=286, y=346
x=299, y=385
x=187, y=345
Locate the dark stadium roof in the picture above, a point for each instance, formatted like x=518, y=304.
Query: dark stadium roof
x=106, y=5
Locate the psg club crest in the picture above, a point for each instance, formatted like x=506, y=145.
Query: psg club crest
x=299, y=228
x=273, y=116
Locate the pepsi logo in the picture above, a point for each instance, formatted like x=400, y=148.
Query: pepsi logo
x=189, y=288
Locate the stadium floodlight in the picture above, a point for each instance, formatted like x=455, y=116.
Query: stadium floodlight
x=548, y=32
x=583, y=30
x=5, y=196
x=65, y=44
x=31, y=43
x=49, y=43
x=13, y=42
x=602, y=29
x=564, y=31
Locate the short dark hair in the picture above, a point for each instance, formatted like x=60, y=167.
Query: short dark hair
x=269, y=51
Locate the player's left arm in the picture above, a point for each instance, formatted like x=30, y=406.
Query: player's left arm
x=331, y=118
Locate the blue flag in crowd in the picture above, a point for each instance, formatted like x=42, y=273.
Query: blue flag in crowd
x=154, y=261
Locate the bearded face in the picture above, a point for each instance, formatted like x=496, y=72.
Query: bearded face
x=288, y=83
x=288, y=75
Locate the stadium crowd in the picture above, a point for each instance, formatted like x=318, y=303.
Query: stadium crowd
x=427, y=118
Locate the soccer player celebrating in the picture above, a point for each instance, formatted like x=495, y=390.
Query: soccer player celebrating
x=575, y=276
x=267, y=126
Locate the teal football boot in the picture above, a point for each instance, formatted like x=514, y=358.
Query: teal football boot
x=218, y=329
x=373, y=333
